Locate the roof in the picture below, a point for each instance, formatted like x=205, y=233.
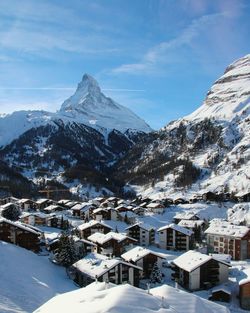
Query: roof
x=143, y=226
x=138, y=253
x=245, y=277
x=102, y=238
x=186, y=215
x=23, y=226
x=178, y=228
x=81, y=206
x=93, y=223
x=223, y=288
x=95, y=265
x=191, y=223
x=223, y=228
x=155, y=205
x=191, y=260
x=43, y=200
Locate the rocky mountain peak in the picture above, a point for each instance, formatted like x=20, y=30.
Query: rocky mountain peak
x=88, y=85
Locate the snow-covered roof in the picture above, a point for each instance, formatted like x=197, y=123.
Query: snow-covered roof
x=190, y=223
x=96, y=211
x=100, y=297
x=43, y=200
x=226, y=258
x=226, y=229
x=223, y=288
x=101, y=238
x=191, y=259
x=91, y=224
x=23, y=226
x=137, y=253
x=245, y=277
x=144, y=226
x=155, y=205
x=81, y=206
x=95, y=265
x=185, y=215
x=52, y=207
x=178, y=228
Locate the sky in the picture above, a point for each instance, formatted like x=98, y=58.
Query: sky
x=157, y=57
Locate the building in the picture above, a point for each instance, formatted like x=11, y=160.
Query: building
x=92, y=227
x=223, y=237
x=175, y=237
x=221, y=293
x=244, y=290
x=144, y=258
x=27, y=204
x=20, y=234
x=186, y=215
x=143, y=233
x=35, y=218
x=194, y=270
x=111, y=243
x=156, y=207
x=83, y=210
x=104, y=269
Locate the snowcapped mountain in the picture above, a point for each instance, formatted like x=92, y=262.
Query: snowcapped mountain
x=90, y=106
x=208, y=150
x=88, y=134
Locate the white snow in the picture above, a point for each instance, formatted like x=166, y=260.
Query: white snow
x=137, y=253
x=100, y=298
x=218, y=227
x=28, y=280
x=191, y=259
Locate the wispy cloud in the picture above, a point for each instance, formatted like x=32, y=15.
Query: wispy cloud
x=152, y=60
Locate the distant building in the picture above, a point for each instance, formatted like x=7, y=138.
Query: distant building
x=87, y=229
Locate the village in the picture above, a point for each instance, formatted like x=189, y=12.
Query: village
x=200, y=245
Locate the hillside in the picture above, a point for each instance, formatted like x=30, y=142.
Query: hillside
x=206, y=151
x=28, y=280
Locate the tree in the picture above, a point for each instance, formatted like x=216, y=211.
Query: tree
x=66, y=253
x=156, y=274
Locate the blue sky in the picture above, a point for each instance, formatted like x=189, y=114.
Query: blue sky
x=157, y=57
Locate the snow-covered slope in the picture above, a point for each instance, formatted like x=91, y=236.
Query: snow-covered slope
x=208, y=150
x=90, y=106
x=28, y=280
x=99, y=298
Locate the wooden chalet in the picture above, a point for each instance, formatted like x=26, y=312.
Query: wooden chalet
x=144, y=258
x=101, y=268
x=20, y=234
x=194, y=271
x=87, y=229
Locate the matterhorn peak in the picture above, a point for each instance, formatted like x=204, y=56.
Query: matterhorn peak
x=88, y=84
x=88, y=105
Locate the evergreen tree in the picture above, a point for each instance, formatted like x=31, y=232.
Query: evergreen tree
x=66, y=253
x=156, y=275
x=11, y=213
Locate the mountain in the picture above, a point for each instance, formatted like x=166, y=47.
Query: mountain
x=208, y=150
x=75, y=145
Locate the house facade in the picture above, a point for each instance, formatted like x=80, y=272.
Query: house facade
x=101, y=268
x=143, y=233
x=175, y=237
x=87, y=229
x=20, y=234
x=194, y=271
x=223, y=237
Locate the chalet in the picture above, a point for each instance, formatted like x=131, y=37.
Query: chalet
x=71, y=204
x=180, y=201
x=138, y=210
x=111, y=243
x=83, y=210
x=92, y=227
x=156, y=207
x=83, y=246
x=128, y=217
x=186, y=215
x=143, y=233
x=211, y=196
x=244, y=290
x=26, y=204
x=194, y=271
x=221, y=293
x=175, y=237
x=197, y=226
x=20, y=234
x=99, y=267
x=101, y=214
x=53, y=208
x=144, y=258
x=34, y=218
x=40, y=204
x=223, y=237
